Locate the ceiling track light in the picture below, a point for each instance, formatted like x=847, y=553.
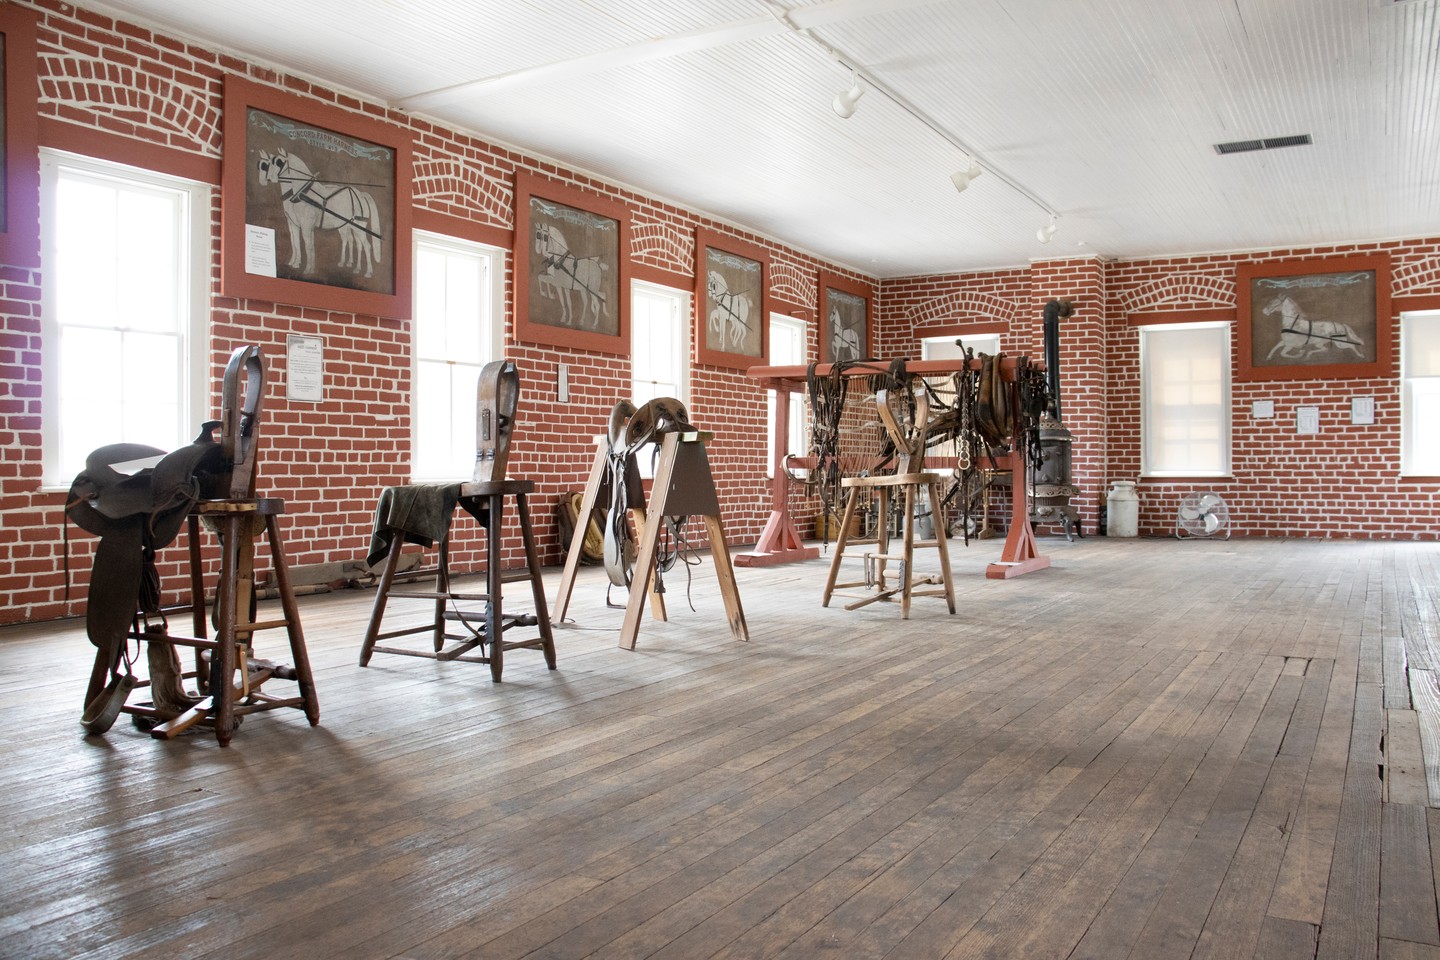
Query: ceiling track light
x=962, y=178
x=845, y=101
x=1046, y=232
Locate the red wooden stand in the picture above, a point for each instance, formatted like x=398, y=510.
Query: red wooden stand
x=780, y=542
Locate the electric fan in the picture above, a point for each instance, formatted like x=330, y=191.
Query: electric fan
x=1202, y=515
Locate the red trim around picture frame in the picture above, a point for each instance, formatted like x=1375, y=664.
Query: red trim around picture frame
x=1381, y=366
x=529, y=185
x=236, y=178
x=20, y=227
x=831, y=281
x=709, y=239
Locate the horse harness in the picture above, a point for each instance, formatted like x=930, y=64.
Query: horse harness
x=321, y=202
x=630, y=429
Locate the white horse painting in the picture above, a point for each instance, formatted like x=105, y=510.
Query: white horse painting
x=564, y=276
x=729, y=323
x=844, y=338
x=312, y=205
x=1300, y=337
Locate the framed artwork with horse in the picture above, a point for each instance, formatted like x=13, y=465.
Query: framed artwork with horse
x=315, y=204
x=732, y=301
x=846, y=327
x=19, y=162
x=1313, y=318
x=572, y=266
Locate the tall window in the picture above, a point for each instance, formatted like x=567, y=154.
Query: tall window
x=123, y=308
x=1420, y=394
x=659, y=348
x=1185, y=400
x=787, y=349
x=456, y=286
x=945, y=348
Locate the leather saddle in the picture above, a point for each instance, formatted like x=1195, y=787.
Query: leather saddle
x=135, y=498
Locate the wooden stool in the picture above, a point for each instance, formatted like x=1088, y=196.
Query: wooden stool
x=237, y=522
x=480, y=497
x=910, y=483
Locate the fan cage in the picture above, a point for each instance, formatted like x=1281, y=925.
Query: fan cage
x=1202, y=515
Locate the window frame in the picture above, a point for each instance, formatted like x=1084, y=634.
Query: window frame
x=192, y=397
x=683, y=303
x=799, y=409
x=492, y=341
x=1409, y=430
x=1225, y=469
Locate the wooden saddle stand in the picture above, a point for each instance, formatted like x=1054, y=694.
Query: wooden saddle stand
x=683, y=487
x=909, y=479
x=214, y=485
x=421, y=513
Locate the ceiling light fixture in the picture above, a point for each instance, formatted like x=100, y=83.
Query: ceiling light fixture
x=963, y=177
x=1046, y=232
x=845, y=100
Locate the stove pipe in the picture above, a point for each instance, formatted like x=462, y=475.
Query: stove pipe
x=1054, y=310
x=1051, y=488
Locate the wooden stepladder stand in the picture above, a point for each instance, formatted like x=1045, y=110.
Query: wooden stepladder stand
x=683, y=487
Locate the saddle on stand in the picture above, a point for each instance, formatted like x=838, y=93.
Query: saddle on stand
x=136, y=499
x=422, y=514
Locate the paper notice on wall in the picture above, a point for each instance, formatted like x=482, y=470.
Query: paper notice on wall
x=305, y=368
x=259, y=250
x=1307, y=420
x=1362, y=410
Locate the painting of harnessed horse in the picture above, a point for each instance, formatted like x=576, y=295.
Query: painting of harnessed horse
x=1316, y=319
x=331, y=199
x=734, y=286
x=846, y=325
x=573, y=267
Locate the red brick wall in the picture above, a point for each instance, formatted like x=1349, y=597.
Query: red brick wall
x=1344, y=482
x=120, y=92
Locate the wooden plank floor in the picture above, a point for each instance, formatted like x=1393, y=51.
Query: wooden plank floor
x=1153, y=749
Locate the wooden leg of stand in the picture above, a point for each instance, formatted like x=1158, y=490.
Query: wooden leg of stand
x=942, y=543
x=197, y=601
x=582, y=522
x=494, y=629
x=907, y=550
x=442, y=587
x=222, y=658
x=382, y=596
x=537, y=584
x=657, y=599
x=725, y=574
x=841, y=537
x=300, y=657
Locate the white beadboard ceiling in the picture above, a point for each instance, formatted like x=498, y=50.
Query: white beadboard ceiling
x=1103, y=112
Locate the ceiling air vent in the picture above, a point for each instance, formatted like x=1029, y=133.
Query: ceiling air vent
x=1269, y=143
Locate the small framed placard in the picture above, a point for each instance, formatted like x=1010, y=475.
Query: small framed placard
x=305, y=368
x=1262, y=409
x=1307, y=420
x=1362, y=411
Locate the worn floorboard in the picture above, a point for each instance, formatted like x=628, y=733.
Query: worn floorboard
x=1152, y=749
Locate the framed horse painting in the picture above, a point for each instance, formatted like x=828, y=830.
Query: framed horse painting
x=1307, y=319
x=572, y=266
x=19, y=162
x=732, y=301
x=846, y=327
x=315, y=204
